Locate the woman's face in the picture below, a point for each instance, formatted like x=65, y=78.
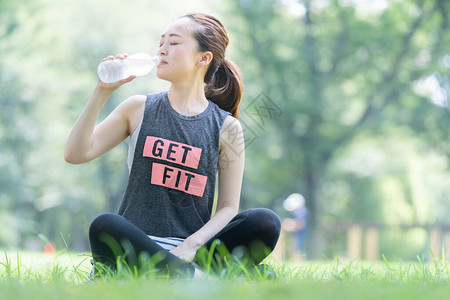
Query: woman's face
x=179, y=51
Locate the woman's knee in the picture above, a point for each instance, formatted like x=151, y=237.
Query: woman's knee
x=266, y=222
x=265, y=216
x=102, y=223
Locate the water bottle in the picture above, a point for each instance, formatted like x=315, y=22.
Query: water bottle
x=138, y=64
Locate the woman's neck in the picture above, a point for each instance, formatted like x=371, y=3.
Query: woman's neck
x=188, y=100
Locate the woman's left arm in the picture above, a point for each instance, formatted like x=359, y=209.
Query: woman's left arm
x=230, y=172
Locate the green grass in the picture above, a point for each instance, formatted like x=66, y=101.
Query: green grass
x=27, y=275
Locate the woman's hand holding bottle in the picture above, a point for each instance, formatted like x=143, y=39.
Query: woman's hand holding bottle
x=123, y=68
x=114, y=85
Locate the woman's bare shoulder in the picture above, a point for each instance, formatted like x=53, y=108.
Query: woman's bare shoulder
x=231, y=133
x=133, y=110
x=135, y=100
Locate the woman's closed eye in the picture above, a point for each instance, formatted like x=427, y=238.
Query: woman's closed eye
x=172, y=44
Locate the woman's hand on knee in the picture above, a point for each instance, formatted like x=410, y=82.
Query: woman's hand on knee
x=185, y=252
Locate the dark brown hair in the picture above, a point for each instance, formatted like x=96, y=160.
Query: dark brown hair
x=223, y=78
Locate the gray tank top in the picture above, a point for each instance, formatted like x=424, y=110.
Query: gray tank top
x=170, y=189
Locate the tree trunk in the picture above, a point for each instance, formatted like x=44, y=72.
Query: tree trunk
x=314, y=246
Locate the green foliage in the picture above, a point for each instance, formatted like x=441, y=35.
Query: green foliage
x=50, y=51
x=355, y=126
x=345, y=76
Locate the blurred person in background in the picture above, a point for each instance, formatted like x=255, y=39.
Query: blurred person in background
x=298, y=224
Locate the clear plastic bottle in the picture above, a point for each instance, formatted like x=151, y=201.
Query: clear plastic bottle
x=138, y=64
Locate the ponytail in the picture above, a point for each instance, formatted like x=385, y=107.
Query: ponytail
x=225, y=87
x=223, y=79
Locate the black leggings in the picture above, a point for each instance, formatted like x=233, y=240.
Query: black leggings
x=251, y=234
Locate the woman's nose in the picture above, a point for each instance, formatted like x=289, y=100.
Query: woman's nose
x=162, y=50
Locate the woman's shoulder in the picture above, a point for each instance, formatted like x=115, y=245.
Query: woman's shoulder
x=232, y=136
x=140, y=99
x=134, y=100
x=132, y=104
x=132, y=109
x=231, y=130
x=138, y=102
x=232, y=122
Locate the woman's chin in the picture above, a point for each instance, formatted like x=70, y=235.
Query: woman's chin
x=161, y=75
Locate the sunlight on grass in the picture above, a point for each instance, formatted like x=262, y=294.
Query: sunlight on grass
x=29, y=275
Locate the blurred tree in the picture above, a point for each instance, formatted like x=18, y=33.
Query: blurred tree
x=337, y=78
x=50, y=51
x=39, y=193
x=18, y=127
x=337, y=70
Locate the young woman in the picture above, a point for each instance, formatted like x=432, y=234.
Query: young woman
x=179, y=141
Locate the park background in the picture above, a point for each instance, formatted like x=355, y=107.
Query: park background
x=345, y=102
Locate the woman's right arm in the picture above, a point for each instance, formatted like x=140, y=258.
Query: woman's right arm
x=87, y=141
